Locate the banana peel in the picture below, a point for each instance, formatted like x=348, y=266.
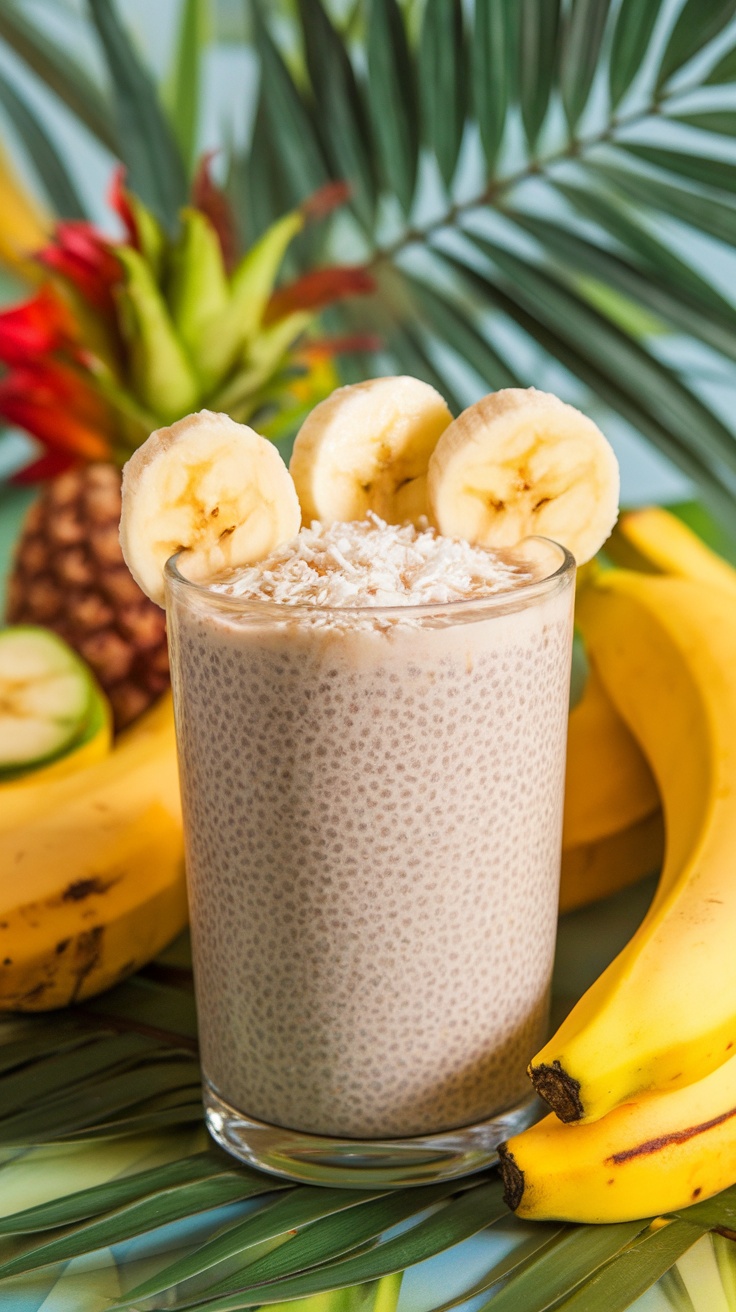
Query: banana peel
x=656, y=1154
x=663, y=1014
x=609, y=785
x=594, y=870
x=93, y=866
x=656, y=542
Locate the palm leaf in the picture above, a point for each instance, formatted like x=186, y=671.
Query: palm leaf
x=570, y=1257
x=55, y=177
x=491, y=59
x=344, y=135
x=442, y=82
x=609, y=176
x=635, y=1270
x=297, y=158
x=161, y=1207
x=697, y=23
x=631, y=38
x=59, y=71
x=185, y=77
x=724, y=70
x=320, y=1239
x=392, y=97
x=289, y=1212
x=715, y=217
x=537, y=56
x=146, y=141
x=583, y=35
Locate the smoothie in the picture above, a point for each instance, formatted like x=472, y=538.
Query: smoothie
x=371, y=727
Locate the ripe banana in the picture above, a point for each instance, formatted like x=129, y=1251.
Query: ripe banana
x=608, y=783
x=656, y=1154
x=207, y=486
x=367, y=447
x=658, y=542
x=664, y=1012
x=600, y=868
x=97, y=885
x=522, y=462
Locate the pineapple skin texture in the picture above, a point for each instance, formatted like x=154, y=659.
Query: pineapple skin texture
x=97, y=856
x=69, y=575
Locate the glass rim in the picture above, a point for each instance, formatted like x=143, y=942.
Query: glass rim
x=515, y=597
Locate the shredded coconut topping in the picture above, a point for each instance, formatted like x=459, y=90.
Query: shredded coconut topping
x=371, y=563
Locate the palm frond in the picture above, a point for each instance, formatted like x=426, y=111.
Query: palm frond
x=185, y=78
x=146, y=139
x=261, y=1240
x=59, y=71
x=574, y=216
x=56, y=179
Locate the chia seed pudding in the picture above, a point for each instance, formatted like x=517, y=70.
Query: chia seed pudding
x=371, y=728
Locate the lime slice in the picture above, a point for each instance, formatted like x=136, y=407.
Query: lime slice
x=46, y=696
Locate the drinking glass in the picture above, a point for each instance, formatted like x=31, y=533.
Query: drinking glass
x=373, y=810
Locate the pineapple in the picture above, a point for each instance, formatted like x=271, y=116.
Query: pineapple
x=69, y=574
x=124, y=338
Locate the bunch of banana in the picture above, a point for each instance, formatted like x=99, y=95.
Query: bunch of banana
x=612, y=832
x=642, y=1074
x=91, y=852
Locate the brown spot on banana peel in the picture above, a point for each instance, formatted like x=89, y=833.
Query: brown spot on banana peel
x=676, y=1137
x=558, y=1089
x=88, y=948
x=512, y=1176
x=82, y=888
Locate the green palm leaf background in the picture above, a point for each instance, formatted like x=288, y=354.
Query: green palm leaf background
x=544, y=192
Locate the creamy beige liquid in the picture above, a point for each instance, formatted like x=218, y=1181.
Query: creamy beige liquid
x=373, y=822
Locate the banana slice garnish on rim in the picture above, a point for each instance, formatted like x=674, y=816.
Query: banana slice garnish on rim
x=208, y=486
x=521, y=462
x=367, y=447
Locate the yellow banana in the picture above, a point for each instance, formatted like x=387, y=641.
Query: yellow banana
x=661, y=1152
x=664, y=1012
x=657, y=542
x=594, y=870
x=94, y=882
x=608, y=783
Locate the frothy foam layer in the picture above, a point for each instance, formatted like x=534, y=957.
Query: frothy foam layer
x=371, y=563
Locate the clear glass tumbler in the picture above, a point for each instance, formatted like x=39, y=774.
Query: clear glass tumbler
x=373, y=811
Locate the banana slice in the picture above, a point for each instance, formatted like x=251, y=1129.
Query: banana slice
x=522, y=462
x=207, y=486
x=366, y=447
x=46, y=697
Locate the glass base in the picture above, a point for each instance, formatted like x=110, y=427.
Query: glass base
x=361, y=1163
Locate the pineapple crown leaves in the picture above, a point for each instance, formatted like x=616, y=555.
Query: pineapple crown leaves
x=126, y=336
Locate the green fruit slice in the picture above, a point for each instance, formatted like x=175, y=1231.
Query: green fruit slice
x=46, y=696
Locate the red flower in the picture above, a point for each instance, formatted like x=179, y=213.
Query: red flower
x=87, y=260
x=36, y=327
x=55, y=405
